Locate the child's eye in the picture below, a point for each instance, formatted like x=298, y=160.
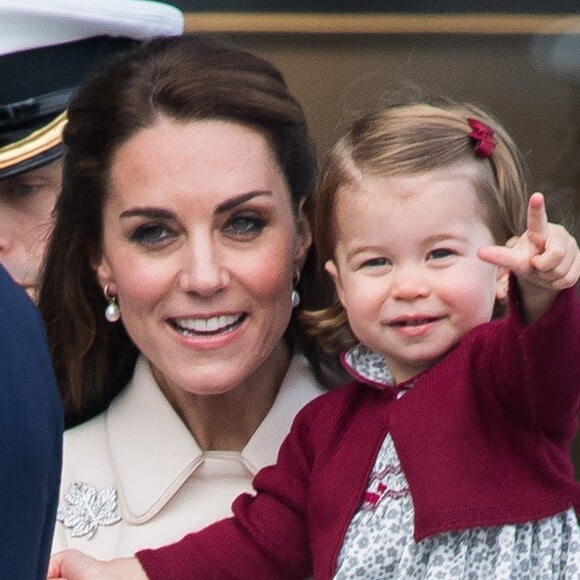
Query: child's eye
x=376, y=263
x=152, y=234
x=440, y=253
x=245, y=225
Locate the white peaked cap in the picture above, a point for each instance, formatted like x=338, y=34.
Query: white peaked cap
x=30, y=24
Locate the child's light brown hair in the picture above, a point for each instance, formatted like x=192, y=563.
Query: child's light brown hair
x=409, y=137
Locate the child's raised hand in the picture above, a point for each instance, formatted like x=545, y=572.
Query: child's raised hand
x=545, y=258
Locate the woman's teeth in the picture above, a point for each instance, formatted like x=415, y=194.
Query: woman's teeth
x=212, y=325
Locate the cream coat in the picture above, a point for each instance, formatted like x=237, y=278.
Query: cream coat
x=166, y=486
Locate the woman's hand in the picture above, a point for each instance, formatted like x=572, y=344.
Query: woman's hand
x=545, y=259
x=74, y=565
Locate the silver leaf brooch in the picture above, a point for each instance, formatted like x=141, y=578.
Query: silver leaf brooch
x=88, y=509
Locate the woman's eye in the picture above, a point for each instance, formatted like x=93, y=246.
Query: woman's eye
x=245, y=225
x=440, y=253
x=151, y=234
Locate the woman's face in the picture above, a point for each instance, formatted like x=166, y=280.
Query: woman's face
x=200, y=246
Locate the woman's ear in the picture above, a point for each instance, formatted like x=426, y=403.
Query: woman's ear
x=304, y=239
x=103, y=270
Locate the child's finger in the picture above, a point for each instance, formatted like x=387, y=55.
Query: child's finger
x=501, y=256
x=566, y=273
x=560, y=251
x=537, y=226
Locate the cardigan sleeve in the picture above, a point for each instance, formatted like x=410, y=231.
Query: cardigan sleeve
x=535, y=369
x=266, y=538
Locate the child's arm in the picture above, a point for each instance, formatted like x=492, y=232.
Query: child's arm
x=545, y=260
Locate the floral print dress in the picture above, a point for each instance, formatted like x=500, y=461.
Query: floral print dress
x=379, y=542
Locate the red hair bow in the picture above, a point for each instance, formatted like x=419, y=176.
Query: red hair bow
x=482, y=135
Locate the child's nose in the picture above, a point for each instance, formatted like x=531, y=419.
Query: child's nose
x=409, y=282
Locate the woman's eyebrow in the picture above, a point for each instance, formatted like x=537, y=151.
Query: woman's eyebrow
x=239, y=199
x=148, y=212
x=160, y=213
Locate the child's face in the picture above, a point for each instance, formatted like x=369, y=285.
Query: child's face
x=406, y=267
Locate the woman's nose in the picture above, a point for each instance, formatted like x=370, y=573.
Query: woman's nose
x=202, y=270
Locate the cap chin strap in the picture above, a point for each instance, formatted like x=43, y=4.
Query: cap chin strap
x=34, y=144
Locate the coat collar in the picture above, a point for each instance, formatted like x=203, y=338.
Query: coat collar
x=153, y=453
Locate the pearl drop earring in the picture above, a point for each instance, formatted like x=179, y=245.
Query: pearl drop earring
x=112, y=312
x=295, y=298
x=295, y=295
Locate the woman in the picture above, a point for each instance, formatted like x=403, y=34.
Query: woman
x=181, y=214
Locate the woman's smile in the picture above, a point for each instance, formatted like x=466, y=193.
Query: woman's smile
x=221, y=335
x=207, y=326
